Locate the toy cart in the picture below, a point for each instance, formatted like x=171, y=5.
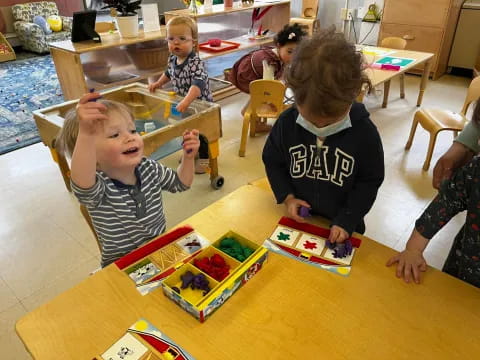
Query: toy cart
x=157, y=109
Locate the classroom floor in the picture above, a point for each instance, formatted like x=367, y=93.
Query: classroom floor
x=46, y=247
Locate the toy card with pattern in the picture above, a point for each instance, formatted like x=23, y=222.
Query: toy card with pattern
x=143, y=341
x=307, y=243
x=149, y=265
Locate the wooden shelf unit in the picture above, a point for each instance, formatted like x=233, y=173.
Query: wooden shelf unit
x=69, y=59
x=428, y=26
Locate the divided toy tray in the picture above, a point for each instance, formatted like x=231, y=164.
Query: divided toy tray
x=225, y=45
x=243, y=265
x=166, y=259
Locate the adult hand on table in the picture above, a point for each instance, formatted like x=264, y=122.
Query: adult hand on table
x=410, y=262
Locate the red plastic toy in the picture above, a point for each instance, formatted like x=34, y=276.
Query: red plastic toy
x=214, y=42
x=216, y=266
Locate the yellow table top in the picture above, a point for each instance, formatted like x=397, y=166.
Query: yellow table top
x=378, y=76
x=289, y=310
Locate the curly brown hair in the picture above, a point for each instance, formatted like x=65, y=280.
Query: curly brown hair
x=326, y=74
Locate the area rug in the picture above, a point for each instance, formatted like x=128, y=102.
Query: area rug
x=25, y=85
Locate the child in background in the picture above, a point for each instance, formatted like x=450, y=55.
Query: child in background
x=267, y=63
x=185, y=69
x=325, y=153
x=460, y=192
x=120, y=188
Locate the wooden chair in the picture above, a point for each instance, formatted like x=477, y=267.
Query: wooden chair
x=266, y=101
x=309, y=25
x=436, y=120
x=398, y=44
x=87, y=218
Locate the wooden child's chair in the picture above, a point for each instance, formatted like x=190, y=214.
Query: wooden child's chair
x=398, y=44
x=87, y=218
x=308, y=21
x=436, y=120
x=266, y=101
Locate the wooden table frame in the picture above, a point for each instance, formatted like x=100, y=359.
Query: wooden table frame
x=49, y=122
x=289, y=310
x=378, y=77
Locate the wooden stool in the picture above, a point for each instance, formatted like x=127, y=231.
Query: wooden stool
x=310, y=25
x=436, y=120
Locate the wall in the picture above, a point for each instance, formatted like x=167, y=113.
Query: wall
x=329, y=14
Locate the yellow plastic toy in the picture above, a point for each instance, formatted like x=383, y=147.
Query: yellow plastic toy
x=55, y=22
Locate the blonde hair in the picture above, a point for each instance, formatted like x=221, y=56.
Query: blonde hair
x=185, y=20
x=67, y=137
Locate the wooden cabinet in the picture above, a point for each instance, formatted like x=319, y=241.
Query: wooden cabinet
x=426, y=25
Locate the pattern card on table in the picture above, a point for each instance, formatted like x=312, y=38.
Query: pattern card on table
x=285, y=235
x=345, y=261
x=391, y=60
x=312, y=244
x=142, y=271
x=193, y=242
x=127, y=348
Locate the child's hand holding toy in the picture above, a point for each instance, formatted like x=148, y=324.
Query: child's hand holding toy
x=191, y=143
x=90, y=113
x=293, y=207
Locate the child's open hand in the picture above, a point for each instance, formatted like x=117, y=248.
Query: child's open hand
x=293, y=205
x=337, y=234
x=409, y=265
x=90, y=113
x=191, y=143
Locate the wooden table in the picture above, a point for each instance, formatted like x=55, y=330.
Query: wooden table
x=378, y=77
x=289, y=310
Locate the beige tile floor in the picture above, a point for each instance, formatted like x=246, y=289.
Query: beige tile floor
x=46, y=247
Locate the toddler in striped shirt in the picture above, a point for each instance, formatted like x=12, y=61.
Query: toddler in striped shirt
x=121, y=189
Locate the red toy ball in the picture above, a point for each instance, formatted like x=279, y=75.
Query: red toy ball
x=215, y=42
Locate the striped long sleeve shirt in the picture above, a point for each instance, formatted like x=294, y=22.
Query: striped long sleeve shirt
x=126, y=216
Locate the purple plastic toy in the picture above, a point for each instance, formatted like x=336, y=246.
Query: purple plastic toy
x=330, y=245
x=304, y=211
x=187, y=279
x=199, y=282
x=343, y=249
